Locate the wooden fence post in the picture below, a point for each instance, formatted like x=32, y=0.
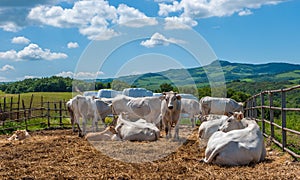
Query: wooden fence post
x=18, y=107
x=25, y=117
x=4, y=108
x=30, y=106
x=48, y=113
x=283, y=118
x=271, y=114
x=10, y=115
x=60, y=114
x=55, y=109
x=254, y=109
x=42, y=107
x=262, y=98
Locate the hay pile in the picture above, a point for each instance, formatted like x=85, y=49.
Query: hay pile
x=61, y=154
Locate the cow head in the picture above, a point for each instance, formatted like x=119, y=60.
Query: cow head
x=112, y=129
x=171, y=99
x=233, y=122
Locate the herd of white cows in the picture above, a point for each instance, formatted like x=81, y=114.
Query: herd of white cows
x=229, y=138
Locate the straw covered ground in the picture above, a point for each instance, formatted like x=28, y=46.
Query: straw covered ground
x=61, y=154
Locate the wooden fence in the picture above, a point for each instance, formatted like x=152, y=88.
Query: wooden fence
x=15, y=113
x=261, y=106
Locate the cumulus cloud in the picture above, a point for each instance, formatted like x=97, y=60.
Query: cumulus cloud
x=6, y=68
x=158, y=39
x=80, y=75
x=132, y=17
x=10, y=26
x=13, y=13
x=32, y=52
x=93, y=18
x=20, y=40
x=72, y=45
x=195, y=9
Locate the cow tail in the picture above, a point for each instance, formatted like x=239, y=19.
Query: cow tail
x=113, y=110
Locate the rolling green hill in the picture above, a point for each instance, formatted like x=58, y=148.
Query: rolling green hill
x=254, y=73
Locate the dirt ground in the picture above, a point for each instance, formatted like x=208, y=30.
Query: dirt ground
x=61, y=154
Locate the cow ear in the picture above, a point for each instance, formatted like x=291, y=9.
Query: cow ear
x=162, y=97
x=240, y=116
x=178, y=97
x=235, y=115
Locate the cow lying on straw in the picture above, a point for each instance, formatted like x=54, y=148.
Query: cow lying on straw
x=19, y=135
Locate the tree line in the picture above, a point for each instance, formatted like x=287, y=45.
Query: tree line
x=61, y=84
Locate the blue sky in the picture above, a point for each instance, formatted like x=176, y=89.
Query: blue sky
x=100, y=39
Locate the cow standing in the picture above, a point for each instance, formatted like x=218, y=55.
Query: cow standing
x=84, y=107
x=192, y=108
x=220, y=106
x=147, y=108
x=170, y=112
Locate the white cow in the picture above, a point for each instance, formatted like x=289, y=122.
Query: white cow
x=19, y=135
x=104, y=108
x=221, y=106
x=139, y=130
x=107, y=135
x=147, y=108
x=212, y=125
x=170, y=112
x=236, y=147
x=190, y=107
x=83, y=107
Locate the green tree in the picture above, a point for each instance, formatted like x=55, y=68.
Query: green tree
x=119, y=85
x=165, y=87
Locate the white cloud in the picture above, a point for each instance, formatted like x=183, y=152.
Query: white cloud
x=80, y=75
x=10, y=27
x=179, y=22
x=30, y=77
x=158, y=39
x=132, y=17
x=93, y=18
x=72, y=45
x=245, y=12
x=32, y=52
x=20, y=40
x=194, y=9
x=6, y=68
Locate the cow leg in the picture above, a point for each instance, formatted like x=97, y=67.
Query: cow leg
x=193, y=121
x=79, y=130
x=103, y=122
x=167, y=130
x=167, y=127
x=84, y=125
x=176, y=136
x=95, y=125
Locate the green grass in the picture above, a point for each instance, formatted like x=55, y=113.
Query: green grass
x=293, y=140
x=35, y=122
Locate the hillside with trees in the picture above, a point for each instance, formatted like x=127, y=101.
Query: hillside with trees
x=242, y=80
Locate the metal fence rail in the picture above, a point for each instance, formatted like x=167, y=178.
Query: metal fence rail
x=267, y=106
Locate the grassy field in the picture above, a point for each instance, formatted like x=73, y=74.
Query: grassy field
x=34, y=119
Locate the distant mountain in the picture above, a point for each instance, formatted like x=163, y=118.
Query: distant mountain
x=270, y=72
